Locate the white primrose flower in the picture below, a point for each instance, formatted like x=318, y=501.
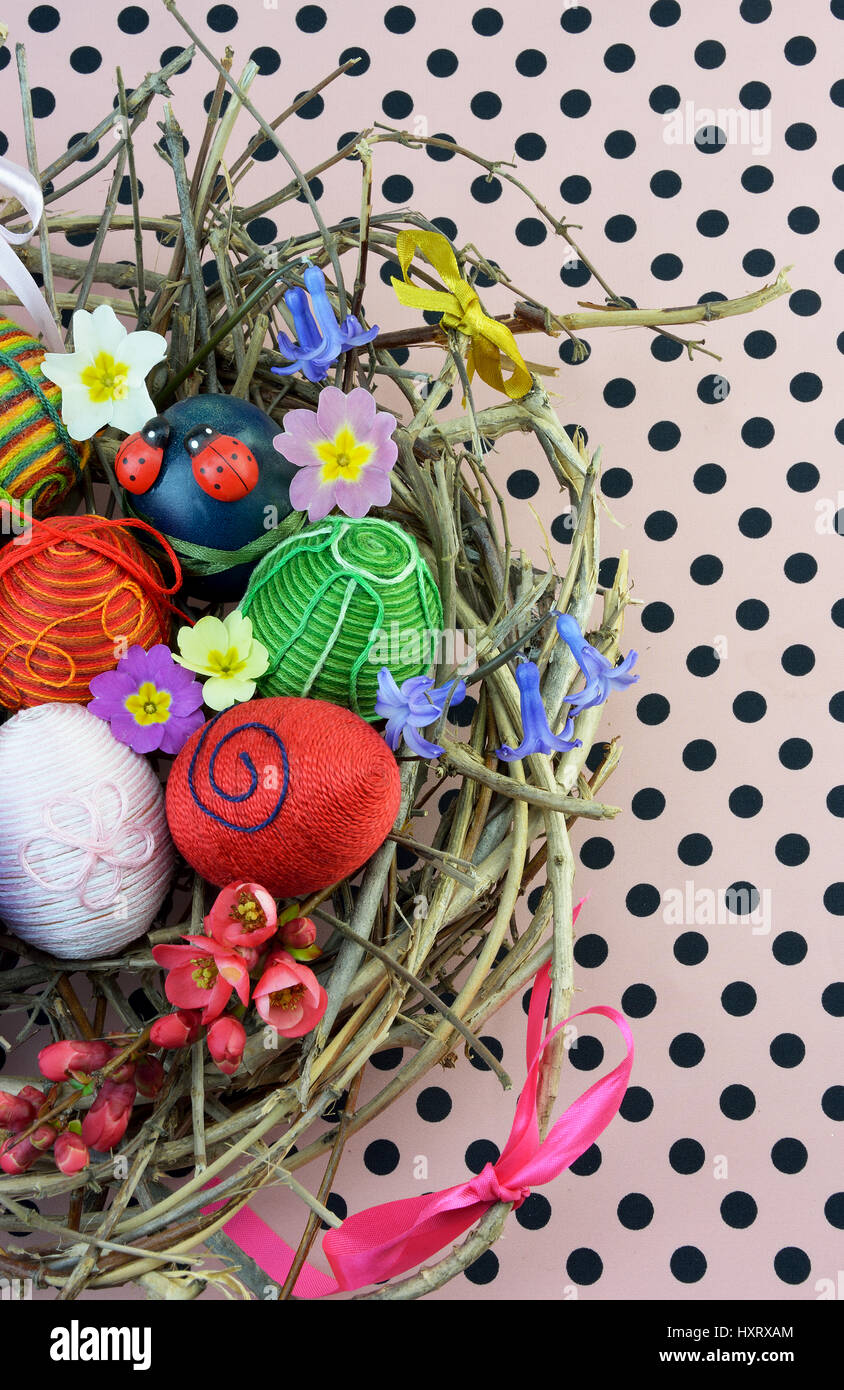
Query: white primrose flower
x=103, y=381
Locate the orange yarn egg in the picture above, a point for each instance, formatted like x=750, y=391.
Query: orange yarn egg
x=75, y=593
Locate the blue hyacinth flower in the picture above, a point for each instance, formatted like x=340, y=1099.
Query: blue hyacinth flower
x=538, y=737
x=601, y=675
x=321, y=337
x=411, y=707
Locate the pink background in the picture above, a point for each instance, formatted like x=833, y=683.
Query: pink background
x=549, y=1262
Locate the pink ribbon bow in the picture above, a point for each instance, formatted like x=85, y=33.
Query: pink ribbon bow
x=19, y=183
x=387, y=1240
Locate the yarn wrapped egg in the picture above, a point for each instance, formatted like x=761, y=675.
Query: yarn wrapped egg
x=294, y=794
x=73, y=598
x=336, y=602
x=39, y=462
x=219, y=532
x=85, y=853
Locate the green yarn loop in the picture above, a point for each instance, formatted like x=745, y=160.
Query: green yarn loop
x=204, y=559
x=335, y=603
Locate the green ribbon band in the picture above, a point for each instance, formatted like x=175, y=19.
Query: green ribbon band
x=204, y=560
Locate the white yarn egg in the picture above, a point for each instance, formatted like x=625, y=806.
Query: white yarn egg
x=85, y=852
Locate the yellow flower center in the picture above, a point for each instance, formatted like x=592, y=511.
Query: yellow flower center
x=343, y=457
x=248, y=914
x=225, y=664
x=106, y=379
x=149, y=706
x=287, y=998
x=205, y=973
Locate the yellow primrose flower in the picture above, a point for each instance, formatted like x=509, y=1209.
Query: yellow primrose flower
x=148, y=705
x=224, y=650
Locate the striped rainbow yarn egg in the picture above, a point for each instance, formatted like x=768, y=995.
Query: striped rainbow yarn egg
x=39, y=462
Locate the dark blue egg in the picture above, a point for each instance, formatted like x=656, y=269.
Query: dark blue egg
x=178, y=507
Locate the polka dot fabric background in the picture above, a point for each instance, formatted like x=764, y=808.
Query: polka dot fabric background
x=698, y=146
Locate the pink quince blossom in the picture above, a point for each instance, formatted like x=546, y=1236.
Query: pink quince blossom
x=203, y=975
x=178, y=1029
x=60, y=1059
x=298, y=936
x=70, y=1152
x=226, y=1040
x=243, y=914
x=106, y=1122
x=289, y=996
x=16, y=1112
x=18, y=1155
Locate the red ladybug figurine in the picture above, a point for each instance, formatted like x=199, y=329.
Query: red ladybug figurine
x=139, y=458
x=222, y=466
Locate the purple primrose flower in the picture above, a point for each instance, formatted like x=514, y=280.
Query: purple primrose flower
x=149, y=701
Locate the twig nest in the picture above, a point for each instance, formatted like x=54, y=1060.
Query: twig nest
x=294, y=794
x=73, y=598
x=39, y=462
x=336, y=602
x=85, y=853
x=197, y=486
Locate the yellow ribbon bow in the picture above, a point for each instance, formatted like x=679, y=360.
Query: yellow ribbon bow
x=461, y=309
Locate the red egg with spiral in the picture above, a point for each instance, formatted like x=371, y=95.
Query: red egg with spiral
x=292, y=793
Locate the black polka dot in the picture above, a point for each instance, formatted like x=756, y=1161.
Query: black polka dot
x=665, y=183
x=789, y=1155
x=710, y=139
x=620, y=228
x=590, y=951
x=597, y=852
x=653, y=709
x=686, y=1156
x=586, y=1053
x=588, y=1163
x=637, y=1105
x=44, y=18
x=754, y=96
x=530, y=231
x=86, y=59
x=388, y=1060
x=706, y=569
x=531, y=62
x=620, y=144
x=802, y=477
x=576, y=19
x=710, y=54
x=832, y=999
x=479, y=1153
x=699, y=754
x=575, y=103
x=638, y=1001
x=749, y=706
x=642, y=900
x=381, y=1156
x=787, y=1050
x=396, y=188
x=664, y=435
x=738, y=999
x=757, y=178
x=800, y=136
x=648, y=803
x=493, y=1046
x=741, y=898
x=686, y=1050
x=433, y=1104
x=709, y=478
x=795, y=753
x=311, y=18
x=268, y=61
x=789, y=948
x=442, y=62
x=694, y=849
x=486, y=190
x=523, y=483
x=660, y=526
x=484, y=1269
x=752, y=614
x=755, y=11
x=703, y=661
x=584, y=1266
x=664, y=98
x=805, y=386
x=43, y=102
x=311, y=109
x=397, y=105
x=803, y=220
x=361, y=64
x=712, y=223
x=657, y=616
x=487, y=22
x=530, y=146
x=635, y=1211
x=666, y=266
x=745, y=801
x=800, y=568
x=737, y=1102
x=619, y=57
x=739, y=1210
x=792, y=1265
x=534, y=1213
x=222, y=18
x=575, y=189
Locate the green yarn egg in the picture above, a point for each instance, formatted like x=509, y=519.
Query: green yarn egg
x=336, y=602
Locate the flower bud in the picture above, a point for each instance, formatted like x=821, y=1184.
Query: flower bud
x=176, y=1029
x=106, y=1122
x=58, y=1060
x=226, y=1040
x=149, y=1077
x=70, y=1152
x=298, y=932
x=16, y=1112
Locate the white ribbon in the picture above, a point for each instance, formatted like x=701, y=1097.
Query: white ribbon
x=20, y=184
